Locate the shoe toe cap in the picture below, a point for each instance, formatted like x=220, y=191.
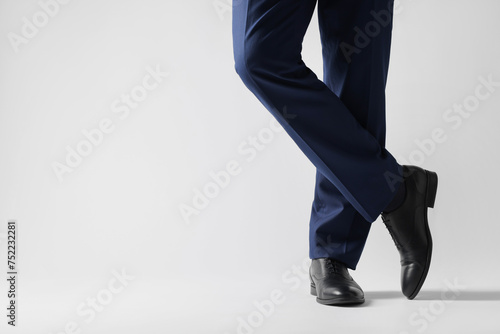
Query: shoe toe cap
x=411, y=276
x=343, y=291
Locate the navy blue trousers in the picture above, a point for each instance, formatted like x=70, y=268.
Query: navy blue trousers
x=337, y=122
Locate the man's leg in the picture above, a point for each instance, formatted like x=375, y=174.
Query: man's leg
x=267, y=40
x=356, y=59
x=356, y=40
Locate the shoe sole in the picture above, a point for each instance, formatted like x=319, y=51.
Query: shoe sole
x=430, y=198
x=335, y=301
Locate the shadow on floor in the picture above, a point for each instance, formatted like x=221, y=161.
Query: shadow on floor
x=478, y=295
x=383, y=295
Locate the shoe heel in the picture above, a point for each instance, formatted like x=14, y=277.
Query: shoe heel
x=432, y=183
x=313, y=290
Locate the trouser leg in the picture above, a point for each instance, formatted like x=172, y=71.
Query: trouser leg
x=356, y=39
x=267, y=40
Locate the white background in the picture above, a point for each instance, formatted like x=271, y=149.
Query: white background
x=118, y=210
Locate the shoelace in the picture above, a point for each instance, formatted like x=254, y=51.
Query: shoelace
x=391, y=232
x=331, y=265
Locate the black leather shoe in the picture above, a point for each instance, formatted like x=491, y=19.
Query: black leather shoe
x=332, y=284
x=409, y=228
